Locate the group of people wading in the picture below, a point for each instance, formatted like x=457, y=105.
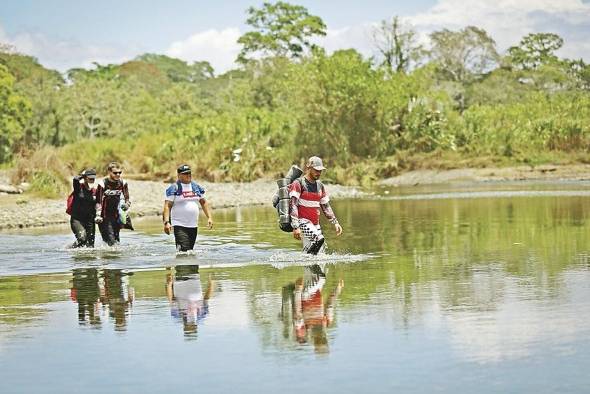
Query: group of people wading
x=107, y=203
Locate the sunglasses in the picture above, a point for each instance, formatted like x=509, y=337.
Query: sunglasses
x=117, y=172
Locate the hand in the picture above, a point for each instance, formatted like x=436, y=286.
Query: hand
x=209, y=223
x=125, y=206
x=338, y=228
x=297, y=233
x=98, y=219
x=167, y=228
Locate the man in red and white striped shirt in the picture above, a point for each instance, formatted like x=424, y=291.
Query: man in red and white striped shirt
x=307, y=196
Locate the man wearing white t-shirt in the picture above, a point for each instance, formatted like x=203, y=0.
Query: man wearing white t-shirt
x=181, y=210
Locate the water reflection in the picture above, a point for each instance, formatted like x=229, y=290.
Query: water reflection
x=188, y=303
x=304, y=313
x=99, y=293
x=86, y=292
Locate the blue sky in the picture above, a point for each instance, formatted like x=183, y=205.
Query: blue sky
x=64, y=33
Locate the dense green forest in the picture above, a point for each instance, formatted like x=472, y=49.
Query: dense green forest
x=452, y=102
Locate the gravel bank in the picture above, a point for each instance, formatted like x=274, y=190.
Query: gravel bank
x=147, y=198
x=522, y=173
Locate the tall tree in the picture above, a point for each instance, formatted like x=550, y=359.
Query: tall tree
x=398, y=45
x=14, y=113
x=535, y=50
x=463, y=55
x=280, y=29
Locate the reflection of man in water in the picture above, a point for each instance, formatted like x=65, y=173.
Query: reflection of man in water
x=187, y=301
x=86, y=292
x=310, y=315
x=117, y=295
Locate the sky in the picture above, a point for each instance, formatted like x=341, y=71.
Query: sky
x=64, y=34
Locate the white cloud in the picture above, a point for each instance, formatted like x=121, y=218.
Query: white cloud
x=358, y=37
x=507, y=21
x=63, y=55
x=218, y=47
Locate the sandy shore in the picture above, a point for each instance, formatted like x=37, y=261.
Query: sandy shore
x=147, y=198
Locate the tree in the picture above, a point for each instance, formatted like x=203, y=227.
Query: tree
x=535, y=50
x=335, y=99
x=463, y=55
x=14, y=113
x=280, y=29
x=178, y=70
x=42, y=88
x=397, y=45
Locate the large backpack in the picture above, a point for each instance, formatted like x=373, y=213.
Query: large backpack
x=70, y=203
x=281, y=198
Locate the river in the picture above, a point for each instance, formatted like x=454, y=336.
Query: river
x=465, y=288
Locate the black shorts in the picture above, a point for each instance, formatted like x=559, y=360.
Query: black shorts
x=185, y=238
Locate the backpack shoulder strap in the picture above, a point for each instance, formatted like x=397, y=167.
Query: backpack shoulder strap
x=302, y=183
x=177, y=192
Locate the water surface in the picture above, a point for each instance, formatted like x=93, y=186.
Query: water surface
x=429, y=289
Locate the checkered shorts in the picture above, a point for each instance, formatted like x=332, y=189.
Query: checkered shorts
x=311, y=234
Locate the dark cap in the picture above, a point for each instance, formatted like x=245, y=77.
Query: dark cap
x=183, y=169
x=89, y=172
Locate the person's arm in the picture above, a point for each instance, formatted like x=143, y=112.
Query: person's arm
x=99, y=197
x=329, y=312
x=169, y=287
x=207, y=212
x=126, y=195
x=294, y=194
x=76, y=183
x=166, y=216
x=329, y=213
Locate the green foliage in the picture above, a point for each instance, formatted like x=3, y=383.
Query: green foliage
x=280, y=29
x=367, y=121
x=339, y=117
x=540, y=122
x=47, y=184
x=14, y=114
x=535, y=50
x=177, y=70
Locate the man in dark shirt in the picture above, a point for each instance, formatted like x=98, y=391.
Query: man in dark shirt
x=111, y=193
x=83, y=208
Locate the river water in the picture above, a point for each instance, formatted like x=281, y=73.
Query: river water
x=449, y=289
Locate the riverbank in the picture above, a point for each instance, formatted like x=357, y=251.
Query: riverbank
x=147, y=197
x=572, y=172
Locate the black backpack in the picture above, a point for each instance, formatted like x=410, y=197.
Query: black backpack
x=281, y=198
